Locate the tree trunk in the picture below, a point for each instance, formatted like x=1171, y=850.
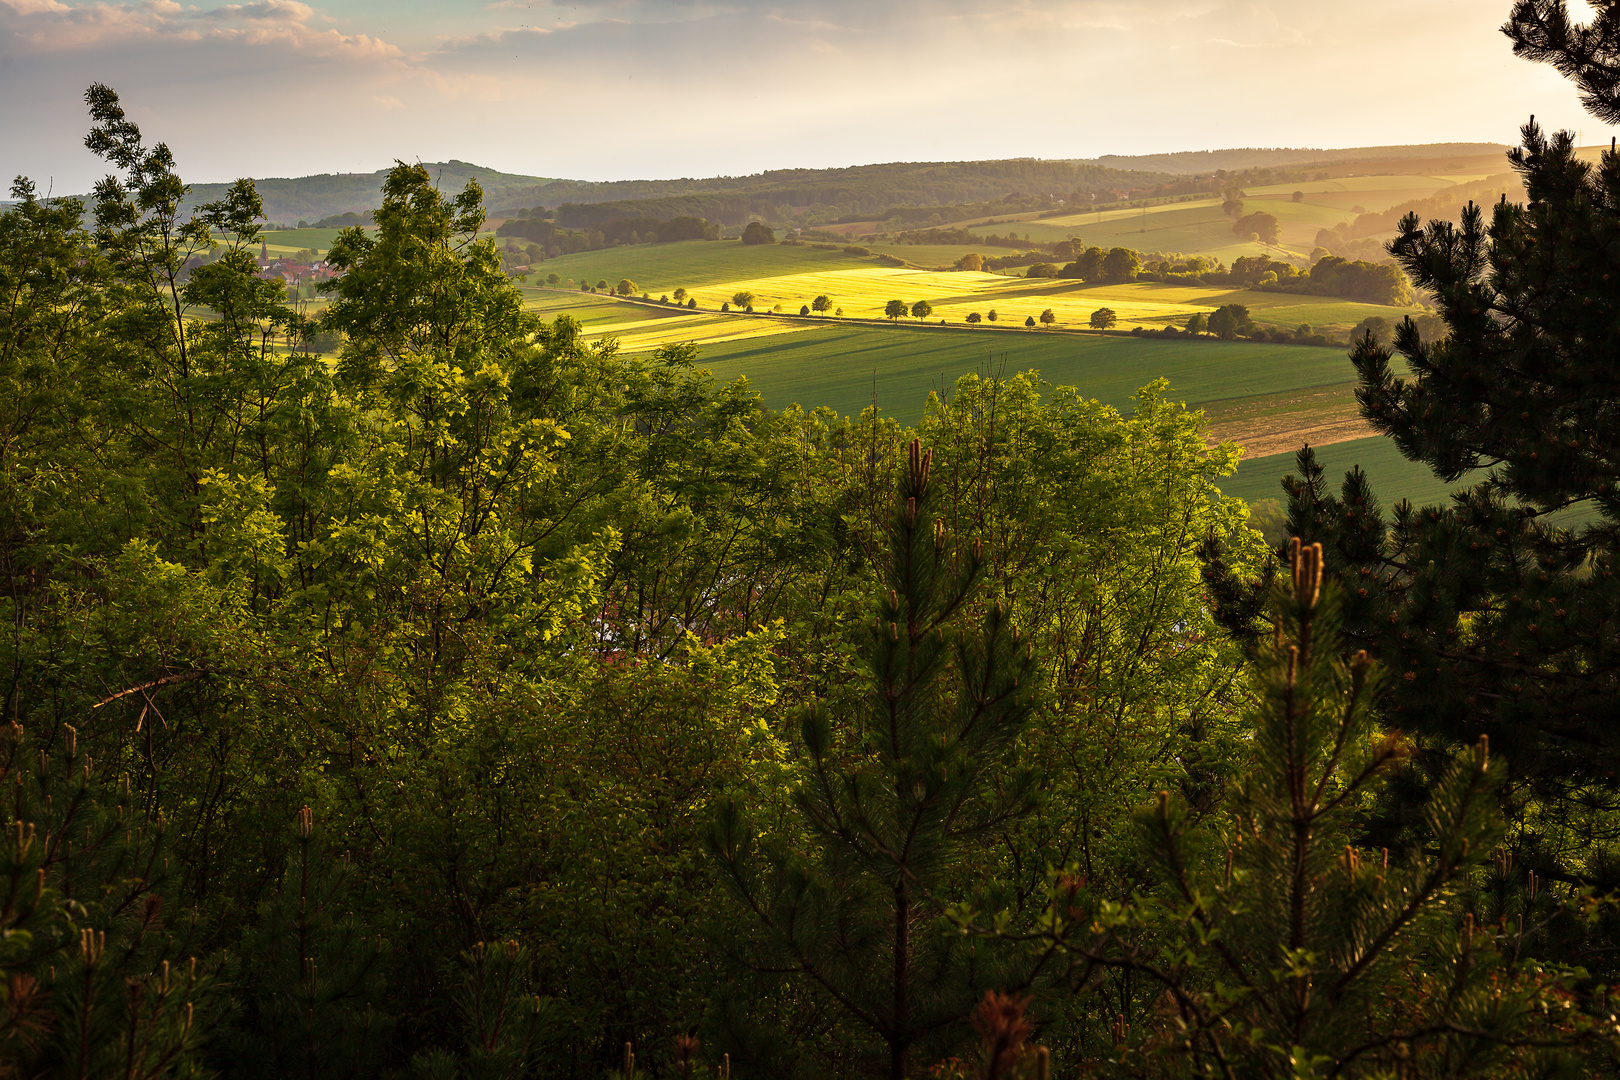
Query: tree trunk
x=900, y=1039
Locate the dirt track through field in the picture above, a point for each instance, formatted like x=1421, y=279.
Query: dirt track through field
x=1278, y=423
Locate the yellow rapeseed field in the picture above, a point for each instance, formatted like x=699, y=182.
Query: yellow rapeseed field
x=864, y=292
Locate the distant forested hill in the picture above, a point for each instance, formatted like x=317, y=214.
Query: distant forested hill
x=855, y=191
x=310, y=198
x=1188, y=162
x=861, y=189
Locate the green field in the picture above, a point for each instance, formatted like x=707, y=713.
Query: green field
x=1393, y=477
x=287, y=241
x=847, y=368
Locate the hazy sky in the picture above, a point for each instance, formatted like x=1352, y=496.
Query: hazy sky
x=606, y=89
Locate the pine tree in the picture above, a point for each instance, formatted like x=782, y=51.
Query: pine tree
x=1495, y=614
x=97, y=977
x=1271, y=945
x=892, y=797
x=309, y=978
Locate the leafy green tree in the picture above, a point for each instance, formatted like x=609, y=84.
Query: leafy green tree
x=971, y=261
x=1042, y=270
x=758, y=232
x=742, y=298
x=1087, y=266
x=601, y=285
x=553, y=280
x=1120, y=264
x=821, y=304
x=974, y=317
x=625, y=287
x=804, y=309
x=680, y=296
x=1103, y=319
x=1232, y=201
x=1030, y=322
x=896, y=309
x=1229, y=321
x=1048, y=318
x=1266, y=227
x=921, y=309
x=1375, y=326
x=1198, y=324
x=1341, y=961
x=991, y=315
x=925, y=774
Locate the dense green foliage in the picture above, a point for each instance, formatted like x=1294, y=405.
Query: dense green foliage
x=483, y=703
x=458, y=640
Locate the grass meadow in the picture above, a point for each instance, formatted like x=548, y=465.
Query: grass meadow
x=286, y=241
x=1393, y=477
x=848, y=368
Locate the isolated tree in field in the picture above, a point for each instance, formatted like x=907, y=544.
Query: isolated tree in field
x=602, y=285
x=821, y=304
x=804, y=309
x=1261, y=225
x=1120, y=264
x=626, y=287
x=680, y=296
x=758, y=232
x=1042, y=270
x=895, y=795
x=1048, y=318
x=896, y=309
x=1198, y=324
x=1103, y=319
x=742, y=298
x=1229, y=321
x=1299, y=196
x=552, y=279
x=973, y=317
x=991, y=315
x=1030, y=322
x=691, y=302
x=1232, y=201
x=970, y=261
x=921, y=309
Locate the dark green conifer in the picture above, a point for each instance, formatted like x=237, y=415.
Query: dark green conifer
x=309, y=978
x=98, y=975
x=1270, y=944
x=893, y=794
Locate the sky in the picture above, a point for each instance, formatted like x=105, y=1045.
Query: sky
x=619, y=89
